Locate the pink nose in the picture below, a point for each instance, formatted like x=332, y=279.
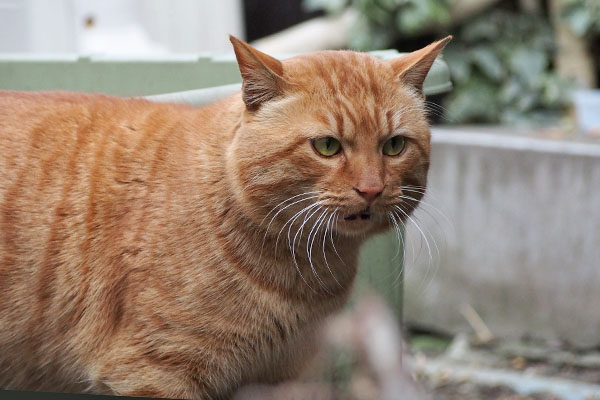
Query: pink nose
x=369, y=193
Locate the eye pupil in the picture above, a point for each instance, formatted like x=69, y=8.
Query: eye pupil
x=327, y=146
x=394, y=146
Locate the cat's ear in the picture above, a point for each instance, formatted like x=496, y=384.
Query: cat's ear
x=414, y=67
x=262, y=74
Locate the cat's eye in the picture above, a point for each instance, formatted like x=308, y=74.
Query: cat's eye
x=327, y=146
x=394, y=146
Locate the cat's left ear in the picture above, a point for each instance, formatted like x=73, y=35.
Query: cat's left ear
x=262, y=74
x=412, y=69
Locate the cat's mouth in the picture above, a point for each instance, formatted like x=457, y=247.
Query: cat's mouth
x=362, y=221
x=363, y=215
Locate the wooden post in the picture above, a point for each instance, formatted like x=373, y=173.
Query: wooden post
x=573, y=58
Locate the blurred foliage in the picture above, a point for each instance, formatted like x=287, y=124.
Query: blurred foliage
x=500, y=60
x=583, y=16
x=381, y=22
x=501, y=68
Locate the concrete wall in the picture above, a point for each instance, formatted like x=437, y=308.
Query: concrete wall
x=522, y=241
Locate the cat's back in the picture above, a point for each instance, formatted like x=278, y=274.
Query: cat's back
x=37, y=132
x=41, y=132
x=72, y=166
x=53, y=115
x=60, y=158
x=34, y=124
x=25, y=115
x=64, y=157
x=48, y=144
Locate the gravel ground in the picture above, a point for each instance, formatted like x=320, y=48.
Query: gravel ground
x=526, y=361
x=473, y=391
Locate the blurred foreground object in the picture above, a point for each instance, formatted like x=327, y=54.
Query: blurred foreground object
x=372, y=333
x=364, y=357
x=369, y=335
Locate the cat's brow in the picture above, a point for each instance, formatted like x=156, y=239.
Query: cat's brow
x=391, y=124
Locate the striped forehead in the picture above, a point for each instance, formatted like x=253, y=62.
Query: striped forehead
x=354, y=91
x=348, y=74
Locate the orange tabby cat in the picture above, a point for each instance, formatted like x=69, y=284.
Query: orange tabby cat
x=163, y=250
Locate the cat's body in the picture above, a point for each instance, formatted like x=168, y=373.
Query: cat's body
x=143, y=247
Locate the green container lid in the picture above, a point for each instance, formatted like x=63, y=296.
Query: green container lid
x=146, y=76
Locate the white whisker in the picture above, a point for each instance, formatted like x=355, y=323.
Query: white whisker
x=278, y=212
x=250, y=182
x=400, y=237
x=419, y=228
x=300, y=230
x=328, y=227
x=423, y=205
x=335, y=218
x=285, y=201
x=291, y=221
x=309, y=245
x=431, y=263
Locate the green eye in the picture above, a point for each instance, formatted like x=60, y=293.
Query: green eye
x=327, y=146
x=394, y=146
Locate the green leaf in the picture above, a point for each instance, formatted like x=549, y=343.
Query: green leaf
x=411, y=19
x=460, y=66
x=511, y=91
x=580, y=20
x=529, y=64
x=480, y=29
x=488, y=62
x=474, y=101
x=440, y=12
x=365, y=36
x=329, y=6
x=415, y=16
x=391, y=5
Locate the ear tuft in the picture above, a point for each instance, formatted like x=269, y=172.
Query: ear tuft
x=262, y=74
x=413, y=68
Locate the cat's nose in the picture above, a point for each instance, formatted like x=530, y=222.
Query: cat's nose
x=369, y=193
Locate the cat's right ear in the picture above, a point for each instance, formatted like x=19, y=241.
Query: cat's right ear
x=262, y=74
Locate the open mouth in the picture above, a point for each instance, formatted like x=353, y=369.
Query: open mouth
x=363, y=215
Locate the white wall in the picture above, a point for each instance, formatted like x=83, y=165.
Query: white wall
x=519, y=241
x=120, y=26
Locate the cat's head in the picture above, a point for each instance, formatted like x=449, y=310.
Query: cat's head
x=334, y=137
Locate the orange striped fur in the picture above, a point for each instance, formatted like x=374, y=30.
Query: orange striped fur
x=144, y=247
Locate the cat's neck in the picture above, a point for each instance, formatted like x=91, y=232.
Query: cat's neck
x=303, y=268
